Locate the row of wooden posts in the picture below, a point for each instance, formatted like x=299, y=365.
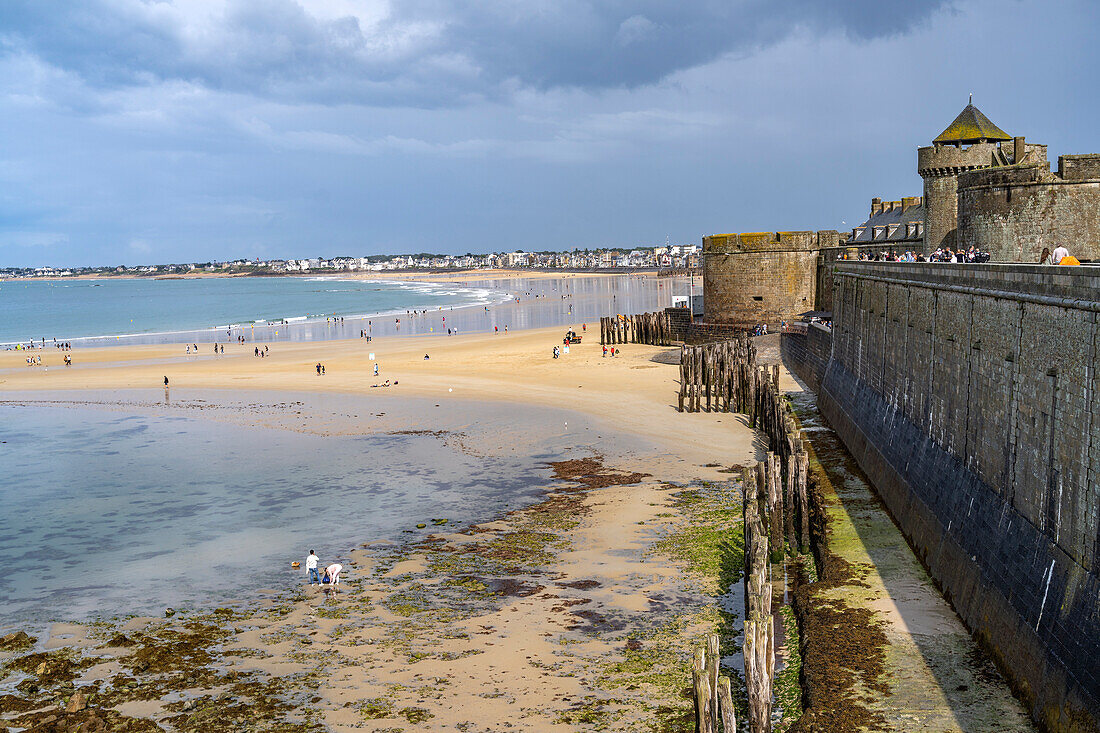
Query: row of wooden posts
x=776, y=517
x=719, y=377
x=725, y=377
x=654, y=329
x=759, y=644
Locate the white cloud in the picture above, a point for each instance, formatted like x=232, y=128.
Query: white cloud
x=634, y=29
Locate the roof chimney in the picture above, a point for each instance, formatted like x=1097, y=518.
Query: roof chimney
x=876, y=206
x=1019, y=150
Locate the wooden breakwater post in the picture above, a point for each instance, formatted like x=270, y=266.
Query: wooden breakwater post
x=725, y=376
x=720, y=377
x=653, y=329
x=714, y=711
x=759, y=644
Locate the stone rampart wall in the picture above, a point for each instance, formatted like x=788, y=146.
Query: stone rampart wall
x=1014, y=212
x=807, y=354
x=968, y=394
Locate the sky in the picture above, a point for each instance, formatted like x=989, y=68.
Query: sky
x=137, y=132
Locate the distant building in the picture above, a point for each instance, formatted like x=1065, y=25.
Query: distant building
x=897, y=225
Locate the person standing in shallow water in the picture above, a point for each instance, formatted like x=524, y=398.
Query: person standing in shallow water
x=311, y=568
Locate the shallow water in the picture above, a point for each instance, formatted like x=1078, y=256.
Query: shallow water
x=105, y=512
x=119, y=312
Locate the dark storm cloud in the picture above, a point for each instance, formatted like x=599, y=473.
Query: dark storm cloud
x=422, y=52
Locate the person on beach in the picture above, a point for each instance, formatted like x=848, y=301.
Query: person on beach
x=318, y=367
x=311, y=568
x=166, y=382
x=333, y=573
x=376, y=369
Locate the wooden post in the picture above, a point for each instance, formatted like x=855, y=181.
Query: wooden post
x=708, y=368
x=775, y=508
x=703, y=713
x=804, y=500
x=789, y=501
x=759, y=631
x=699, y=378
x=725, y=706
x=712, y=677
x=683, y=381
x=689, y=359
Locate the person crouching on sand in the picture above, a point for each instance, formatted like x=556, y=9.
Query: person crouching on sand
x=332, y=572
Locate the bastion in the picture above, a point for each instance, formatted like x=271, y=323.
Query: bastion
x=762, y=277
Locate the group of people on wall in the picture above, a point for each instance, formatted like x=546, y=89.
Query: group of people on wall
x=941, y=254
x=1060, y=256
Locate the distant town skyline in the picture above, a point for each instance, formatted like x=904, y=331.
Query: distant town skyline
x=206, y=131
x=667, y=257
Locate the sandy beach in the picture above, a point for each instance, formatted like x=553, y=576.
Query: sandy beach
x=576, y=613
x=631, y=391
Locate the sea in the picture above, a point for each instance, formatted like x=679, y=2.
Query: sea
x=113, y=312
x=146, y=310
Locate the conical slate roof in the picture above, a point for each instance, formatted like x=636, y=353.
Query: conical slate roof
x=971, y=126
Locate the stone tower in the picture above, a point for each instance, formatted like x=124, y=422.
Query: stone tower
x=968, y=143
